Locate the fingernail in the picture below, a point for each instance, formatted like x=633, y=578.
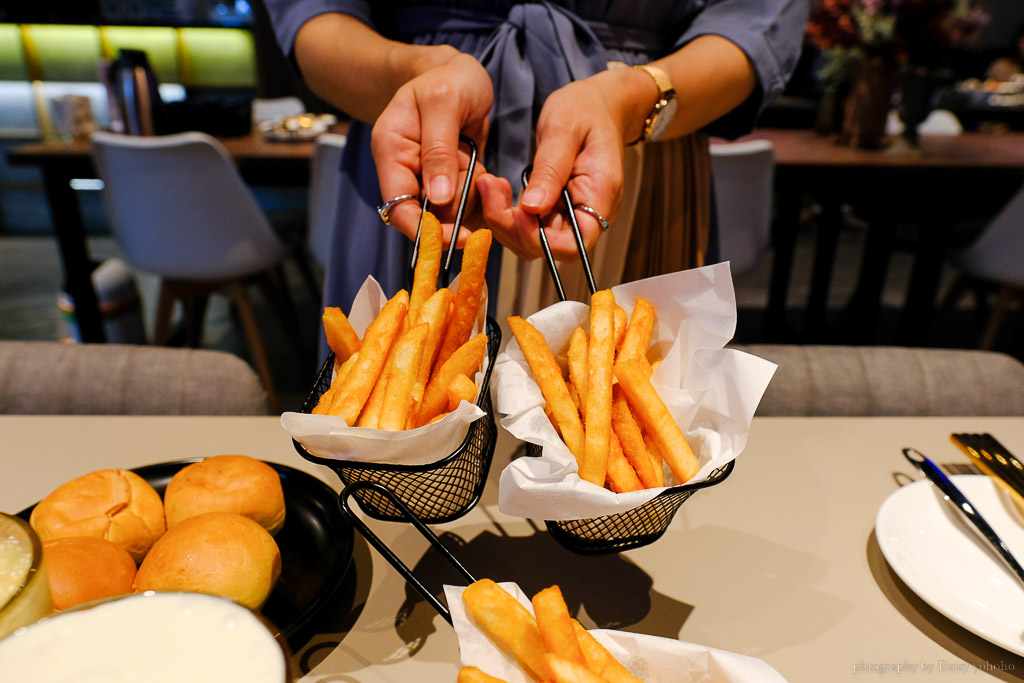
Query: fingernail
x=534, y=196
x=440, y=190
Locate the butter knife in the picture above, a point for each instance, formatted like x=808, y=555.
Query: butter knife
x=959, y=501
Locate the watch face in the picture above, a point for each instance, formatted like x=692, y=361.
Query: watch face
x=664, y=117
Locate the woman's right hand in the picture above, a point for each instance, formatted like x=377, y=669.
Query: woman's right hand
x=416, y=139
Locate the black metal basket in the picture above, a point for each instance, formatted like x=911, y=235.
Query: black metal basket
x=436, y=492
x=634, y=528
x=643, y=524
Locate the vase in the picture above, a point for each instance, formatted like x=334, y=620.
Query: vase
x=917, y=87
x=867, y=105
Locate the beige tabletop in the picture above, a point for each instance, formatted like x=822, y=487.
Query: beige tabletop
x=778, y=562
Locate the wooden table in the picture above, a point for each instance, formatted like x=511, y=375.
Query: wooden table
x=259, y=161
x=779, y=562
x=954, y=178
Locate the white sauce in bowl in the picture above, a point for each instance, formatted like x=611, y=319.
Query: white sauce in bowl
x=153, y=637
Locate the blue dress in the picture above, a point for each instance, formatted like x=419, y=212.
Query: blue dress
x=529, y=49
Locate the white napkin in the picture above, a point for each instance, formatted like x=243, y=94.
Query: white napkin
x=652, y=659
x=327, y=436
x=712, y=392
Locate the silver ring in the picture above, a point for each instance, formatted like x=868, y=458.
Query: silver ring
x=598, y=217
x=385, y=208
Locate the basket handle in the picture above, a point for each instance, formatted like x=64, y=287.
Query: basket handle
x=446, y=266
x=389, y=554
x=580, y=247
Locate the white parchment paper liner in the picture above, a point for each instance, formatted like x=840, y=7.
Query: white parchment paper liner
x=712, y=392
x=327, y=436
x=652, y=659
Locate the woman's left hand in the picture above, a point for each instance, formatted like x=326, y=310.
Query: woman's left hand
x=581, y=134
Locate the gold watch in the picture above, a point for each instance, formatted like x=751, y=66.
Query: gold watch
x=664, y=109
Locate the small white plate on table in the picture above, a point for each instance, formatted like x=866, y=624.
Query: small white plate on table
x=942, y=559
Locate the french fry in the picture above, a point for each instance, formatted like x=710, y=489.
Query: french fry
x=652, y=449
x=403, y=364
x=461, y=389
x=598, y=401
x=428, y=265
x=632, y=441
x=434, y=311
x=564, y=671
x=652, y=413
x=464, y=361
x=372, y=355
x=323, y=405
x=370, y=415
x=469, y=295
x=599, y=659
x=577, y=355
x=549, y=378
x=341, y=336
x=621, y=320
x=621, y=475
x=436, y=418
x=509, y=623
x=555, y=625
x=471, y=674
x=637, y=338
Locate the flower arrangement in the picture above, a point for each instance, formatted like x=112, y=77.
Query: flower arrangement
x=919, y=33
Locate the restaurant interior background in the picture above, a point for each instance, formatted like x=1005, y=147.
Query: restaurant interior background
x=213, y=58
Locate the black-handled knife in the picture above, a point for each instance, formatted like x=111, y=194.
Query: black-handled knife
x=958, y=500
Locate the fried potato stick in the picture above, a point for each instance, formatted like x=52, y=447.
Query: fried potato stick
x=552, y=385
x=577, y=355
x=621, y=476
x=509, y=623
x=631, y=439
x=461, y=389
x=621, y=320
x=652, y=413
x=599, y=659
x=471, y=674
x=598, y=401
x=428, y=265
x=564, y=671
x=404, y=363
x=323, y=406
x=556, y=625
x=341, y=336
x=469, y=295
x=637, y=338
x=464, y=361
x=373, y=353
x=434, y=311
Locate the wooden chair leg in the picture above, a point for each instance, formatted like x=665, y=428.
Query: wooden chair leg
x=1003, y=299
x=238, y=294
x=275, y=289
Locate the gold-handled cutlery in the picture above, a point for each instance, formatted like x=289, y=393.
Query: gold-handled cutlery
x=992, y=458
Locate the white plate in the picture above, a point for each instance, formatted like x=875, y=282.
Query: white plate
x=942, y=559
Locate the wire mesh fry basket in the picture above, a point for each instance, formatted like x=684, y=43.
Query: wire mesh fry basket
x=638, y=526
x=449, y=487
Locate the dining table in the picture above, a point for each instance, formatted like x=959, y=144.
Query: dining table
x=948, y=185
x=261, y=162
x=780, y=561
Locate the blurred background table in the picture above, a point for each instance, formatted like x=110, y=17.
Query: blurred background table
x=778, y=562
x=259, y=161
x=953, y=179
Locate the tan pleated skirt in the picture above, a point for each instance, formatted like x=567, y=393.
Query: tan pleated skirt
x=662, y=227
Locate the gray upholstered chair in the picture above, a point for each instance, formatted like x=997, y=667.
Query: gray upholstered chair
x=51, y=378
x=876, y=380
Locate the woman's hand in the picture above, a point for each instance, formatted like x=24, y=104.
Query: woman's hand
x=417, y=137
x=581, y=133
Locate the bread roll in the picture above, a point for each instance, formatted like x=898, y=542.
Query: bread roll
x=227, y=483
x=85, y=568
x=217, y=553
x=117, y=505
